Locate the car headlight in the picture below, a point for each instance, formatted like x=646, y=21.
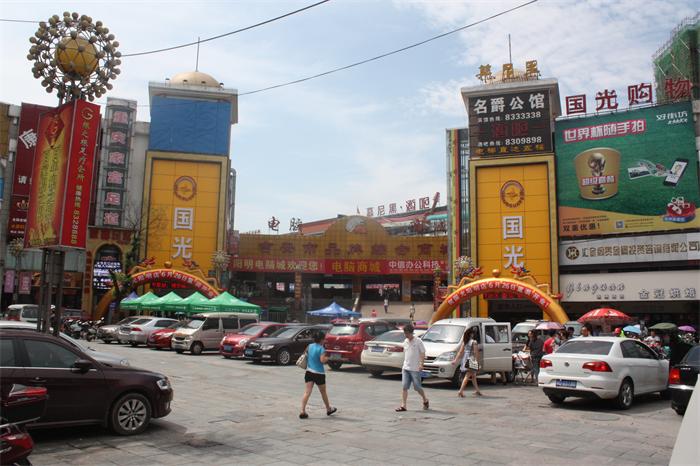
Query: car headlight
x=243, y=342
x=163, y=384
x=267, y=347
x=448, y=356
x=124, y=362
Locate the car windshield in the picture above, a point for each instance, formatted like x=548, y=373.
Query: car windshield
x=285, y=333
x=341, y=330
x=251, y=329
x=75, y=342
x=393, y=336
x=141, y=321
x=128, y=320
x=194, y=323
x=585, y=346
x=523, y=327
x=30, y=312
x=444, y=334
x=177, y=324
x=692, y=357
x=519, y=337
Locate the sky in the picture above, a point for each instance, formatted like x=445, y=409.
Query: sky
x=371, y=135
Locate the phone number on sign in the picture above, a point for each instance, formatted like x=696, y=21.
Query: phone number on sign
x=523, y=116
x=528, y=140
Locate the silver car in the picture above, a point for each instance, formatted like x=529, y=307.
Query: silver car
x=137, y=332
x=108, y=333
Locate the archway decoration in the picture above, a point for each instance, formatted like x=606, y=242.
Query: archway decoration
x=522, y=285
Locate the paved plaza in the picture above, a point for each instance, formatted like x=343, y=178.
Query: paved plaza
x=236, y=412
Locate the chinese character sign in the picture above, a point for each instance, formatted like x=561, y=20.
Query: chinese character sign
x=628, y=172
x=510, y=124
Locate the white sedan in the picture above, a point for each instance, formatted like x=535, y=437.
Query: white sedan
x=385, y=352
x=602, y=368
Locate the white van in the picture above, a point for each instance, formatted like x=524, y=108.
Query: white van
x=23, y=312
x=205, y=331
x=442, y=343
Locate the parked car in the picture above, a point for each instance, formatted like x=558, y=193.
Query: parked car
x=124, y=329
x=233, y=344
x=344, y=341
x=442, y=342
x=105, y=358
x=23, y=312
x=682, y=380
x=81, y=389
x=162, y=338
x=108, y=333
x=397, y=322
x=205, y=331
x=385, y=352
x=602, y=368
x=138, y=331
x=19, y=406
x=284, y=346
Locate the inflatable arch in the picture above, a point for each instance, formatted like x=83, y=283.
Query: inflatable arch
x=507, y=285
x=151, y=275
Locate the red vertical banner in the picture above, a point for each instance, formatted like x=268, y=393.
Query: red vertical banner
x=63, y=165
x=76, y=210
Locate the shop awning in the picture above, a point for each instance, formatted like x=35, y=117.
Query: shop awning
x=185, y=304
x=226, y=302
x=334, y=310
x=160, y=303
x=135, y=304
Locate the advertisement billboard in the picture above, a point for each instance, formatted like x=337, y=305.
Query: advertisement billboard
x=21, y=181
x=671, y=285
x=627, y=172
x=61, y=188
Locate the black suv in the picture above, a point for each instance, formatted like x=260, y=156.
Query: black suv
x=284, y=346
x=81, y=389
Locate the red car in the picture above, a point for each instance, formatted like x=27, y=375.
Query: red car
x=160, y=339
x=233, y=344
x=345, y=340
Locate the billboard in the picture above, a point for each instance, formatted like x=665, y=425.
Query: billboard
x=24, y=161
x=510, y=123
x=186, y=206
x=61, y=187
x=513, y=222
x=628, y=172
x=671, y=285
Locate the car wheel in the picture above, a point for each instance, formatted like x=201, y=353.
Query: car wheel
x=626, y=395
x=335, y=365
x=197, y=348
x=665, y=394
x=680, y=410
x=226, y=356
x=179, y=351
x=556, y=399
x=107, y=341
x=134, y=344
x=458, y=377
x=510, y=377
x=376, y=373
x=130, y=414
x=284, y=357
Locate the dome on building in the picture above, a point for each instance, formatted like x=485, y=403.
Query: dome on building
x=196, y=78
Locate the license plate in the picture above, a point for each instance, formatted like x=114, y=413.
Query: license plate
x=249, y=352
x=227, y=348
x=425, y=374
x=377, y=349
x=566, y=383
x=334, y=356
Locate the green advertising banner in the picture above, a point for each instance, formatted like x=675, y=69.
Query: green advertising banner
x=627, y=172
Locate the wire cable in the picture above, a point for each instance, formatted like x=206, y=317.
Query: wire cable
x=393, y=52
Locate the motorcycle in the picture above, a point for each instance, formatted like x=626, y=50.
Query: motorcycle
x=21, y=406
x=88, y=330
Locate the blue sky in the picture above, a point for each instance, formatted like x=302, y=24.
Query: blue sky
x=371, y=135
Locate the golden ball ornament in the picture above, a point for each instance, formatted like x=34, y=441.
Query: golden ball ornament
x=76, y=57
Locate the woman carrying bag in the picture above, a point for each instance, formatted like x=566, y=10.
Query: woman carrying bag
x=316, y=357
x=469, y=354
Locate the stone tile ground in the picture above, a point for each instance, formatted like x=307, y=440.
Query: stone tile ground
x=235, y=412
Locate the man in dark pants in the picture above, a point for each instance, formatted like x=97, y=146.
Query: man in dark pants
x=536, y=352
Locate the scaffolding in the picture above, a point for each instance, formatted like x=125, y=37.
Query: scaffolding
x=679, y=58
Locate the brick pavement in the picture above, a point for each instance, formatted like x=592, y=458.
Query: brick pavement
x=235, y=412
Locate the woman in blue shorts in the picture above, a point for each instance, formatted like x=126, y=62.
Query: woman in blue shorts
x=315, y=374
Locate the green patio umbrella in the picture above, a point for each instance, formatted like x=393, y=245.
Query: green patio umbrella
x=135, y=304
x=148, y=302
x=227, y=302
x=161, y=303
x=663, y=326
x=185, y=304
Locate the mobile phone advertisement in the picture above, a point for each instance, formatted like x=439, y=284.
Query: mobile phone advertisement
x=627, y=172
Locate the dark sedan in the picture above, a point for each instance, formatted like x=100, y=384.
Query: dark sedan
x=81, y=389
x=284, y=346
x=682, y=379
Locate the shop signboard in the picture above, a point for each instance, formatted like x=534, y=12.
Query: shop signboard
x=25, y=282
x=61, y=188
x=628, y=172
x=510, y=123
x=674, y=285
x=631, y=249
x=24, y=160
x=9, y=286
x=338, y=266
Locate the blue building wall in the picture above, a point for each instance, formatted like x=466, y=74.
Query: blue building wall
x=188, y=125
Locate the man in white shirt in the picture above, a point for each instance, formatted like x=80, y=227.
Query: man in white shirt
x=414, y=355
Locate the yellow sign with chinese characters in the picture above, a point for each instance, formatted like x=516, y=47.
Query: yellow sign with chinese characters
x=184, y=207
x=513, y=217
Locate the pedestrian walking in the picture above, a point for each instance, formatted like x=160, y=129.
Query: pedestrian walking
x=412, y=312
x=550, y=343
x=468, y=354
x=414, y=355
x=315, y=374
x=386, y=304
x=536, y=352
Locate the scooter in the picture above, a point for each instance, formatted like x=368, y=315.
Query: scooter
x=21, y=406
